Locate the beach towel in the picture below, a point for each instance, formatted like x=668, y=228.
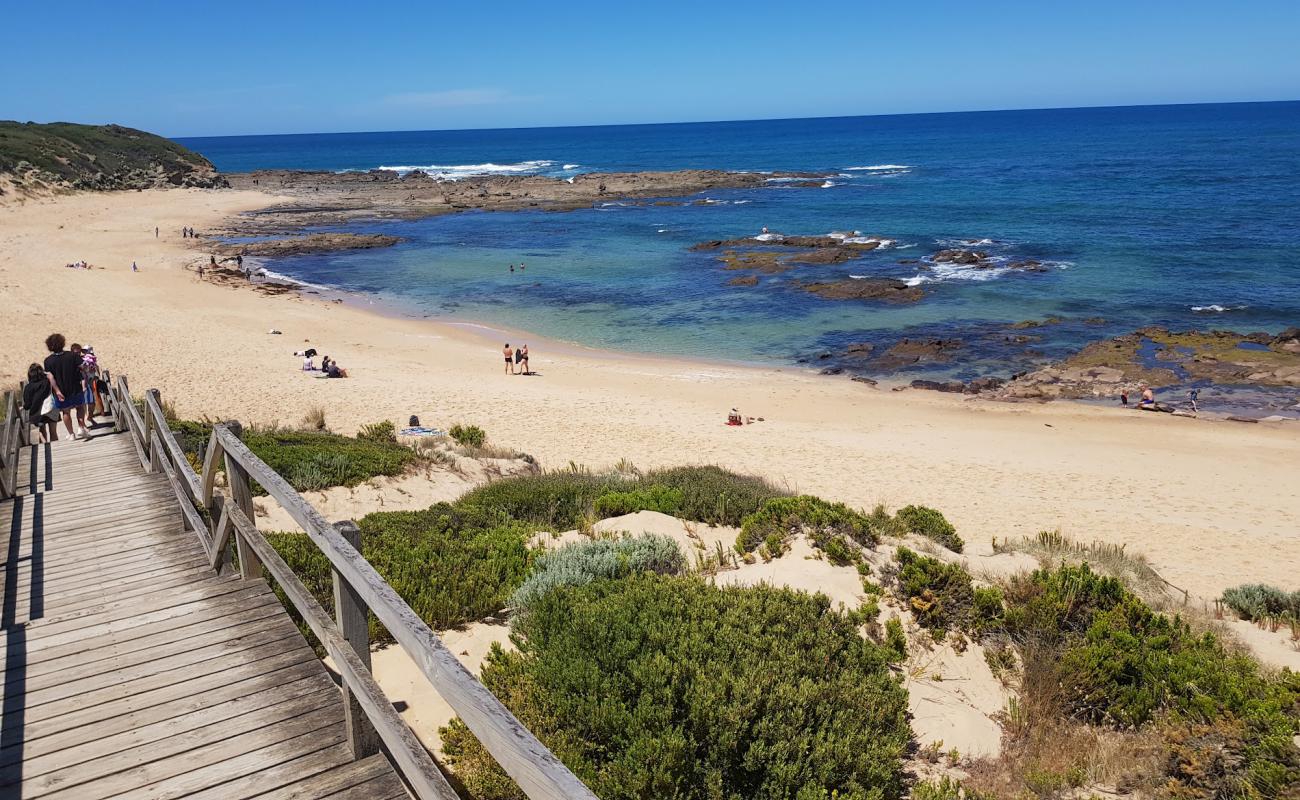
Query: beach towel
x=420, y=430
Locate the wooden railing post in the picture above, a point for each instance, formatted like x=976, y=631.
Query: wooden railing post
x=353, y=619
x=242, y=493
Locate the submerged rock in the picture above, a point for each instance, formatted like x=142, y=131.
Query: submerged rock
x=888, y=290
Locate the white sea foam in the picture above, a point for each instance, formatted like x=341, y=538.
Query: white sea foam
x=829, y=184
x=905, y=246
x=453, y=172
x=878, y=168
x=881, y=244
x=770, y=237
x=740, y=202
x=279, y=277
x=571, y=166
x=1215, y=308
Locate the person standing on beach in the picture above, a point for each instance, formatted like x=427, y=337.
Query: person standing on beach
x=155, y=231
x=522, y=355
x=134, y=268
x=64, y=372
x=510, y=358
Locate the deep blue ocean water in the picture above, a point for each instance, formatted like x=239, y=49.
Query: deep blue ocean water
x=1182, y=216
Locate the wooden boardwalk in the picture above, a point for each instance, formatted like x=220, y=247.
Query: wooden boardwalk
x=132, y=669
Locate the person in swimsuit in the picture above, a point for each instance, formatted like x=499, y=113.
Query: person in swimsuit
x=522, y=353
x=510, y=358
x=1148, y=398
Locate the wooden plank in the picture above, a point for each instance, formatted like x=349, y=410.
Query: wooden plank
x=159, y=759
x=92, y=752
x=264, y=783
x=340, y=779
x=274, y=626
x=353, y=623
x=537, y=771
x=79, y=681
x=121, y=624
x=209, y=764
x=122, y=616
x=403, y=746
x=194, y=488
x=131, y=713
x=77, y=711
x=129, y=635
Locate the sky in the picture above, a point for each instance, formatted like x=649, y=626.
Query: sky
x=230, y=67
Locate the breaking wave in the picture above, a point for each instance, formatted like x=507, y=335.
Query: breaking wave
x=454, y=172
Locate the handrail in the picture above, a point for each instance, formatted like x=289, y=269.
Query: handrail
x=13, y=435
x=218, y=518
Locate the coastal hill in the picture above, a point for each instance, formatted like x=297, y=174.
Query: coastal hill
x=38, y=158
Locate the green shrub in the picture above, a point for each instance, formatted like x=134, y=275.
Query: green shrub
x=822, y=521
x=581, y=563
x=838, y=553
x=942, y=596
x=564, y=500
x=945, y=788
x=311, y=460
x=552, y=500
x=384, y=432
x=931, y=524
x=896, y=639
x=468, y=435
x=451, y=568
x=1229, y=723
x=1258, y=601
x=653, y=498
x=714, y=495
x=658, y=686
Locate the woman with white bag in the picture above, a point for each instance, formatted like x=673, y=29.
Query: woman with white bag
x=38, y=402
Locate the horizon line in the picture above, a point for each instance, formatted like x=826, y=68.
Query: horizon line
x=731, y=121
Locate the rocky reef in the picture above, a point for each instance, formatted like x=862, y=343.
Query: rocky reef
x=311, y=243
x=1160, y=358
x=336, y=197
x=890, y=290
x=60, y=156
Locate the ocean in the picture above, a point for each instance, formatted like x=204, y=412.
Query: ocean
x=1178, y=216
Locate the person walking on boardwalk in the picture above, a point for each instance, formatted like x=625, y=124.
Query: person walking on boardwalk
x=66, y=381
x=39, y=405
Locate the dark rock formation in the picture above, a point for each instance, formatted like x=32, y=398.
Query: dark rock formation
x=887, y=290
x=312, y=243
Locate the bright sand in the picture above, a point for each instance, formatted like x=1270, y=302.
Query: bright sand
x=1212, y=503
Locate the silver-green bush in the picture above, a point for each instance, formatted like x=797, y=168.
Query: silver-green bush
x=581, y=563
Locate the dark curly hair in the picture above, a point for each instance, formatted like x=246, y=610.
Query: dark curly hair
x=55, y=342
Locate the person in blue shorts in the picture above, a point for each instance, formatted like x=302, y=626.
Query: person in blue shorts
x=68, y=384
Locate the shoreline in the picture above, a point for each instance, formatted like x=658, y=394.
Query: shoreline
x=1212, y=505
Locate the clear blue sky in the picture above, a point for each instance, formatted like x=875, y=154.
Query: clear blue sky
x=233, y=67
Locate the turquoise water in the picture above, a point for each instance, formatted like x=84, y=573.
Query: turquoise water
x=1182, y=216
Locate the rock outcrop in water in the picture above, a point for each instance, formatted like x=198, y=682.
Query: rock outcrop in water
x=60, y=156
x=1159, y=358
x=888, y=290
x=311, y=243
x=336, y=197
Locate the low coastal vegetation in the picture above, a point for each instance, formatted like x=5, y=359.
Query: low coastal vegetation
x=64, y=155
x=659, y=686
x=312, y=458
x=649, y=680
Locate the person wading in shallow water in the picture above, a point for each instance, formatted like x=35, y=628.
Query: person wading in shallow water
x=510, y=358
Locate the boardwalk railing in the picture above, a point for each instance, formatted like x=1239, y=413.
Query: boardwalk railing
x=220, y=520
x=13, y=435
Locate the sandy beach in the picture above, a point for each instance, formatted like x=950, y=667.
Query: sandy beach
x=1212, y=503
